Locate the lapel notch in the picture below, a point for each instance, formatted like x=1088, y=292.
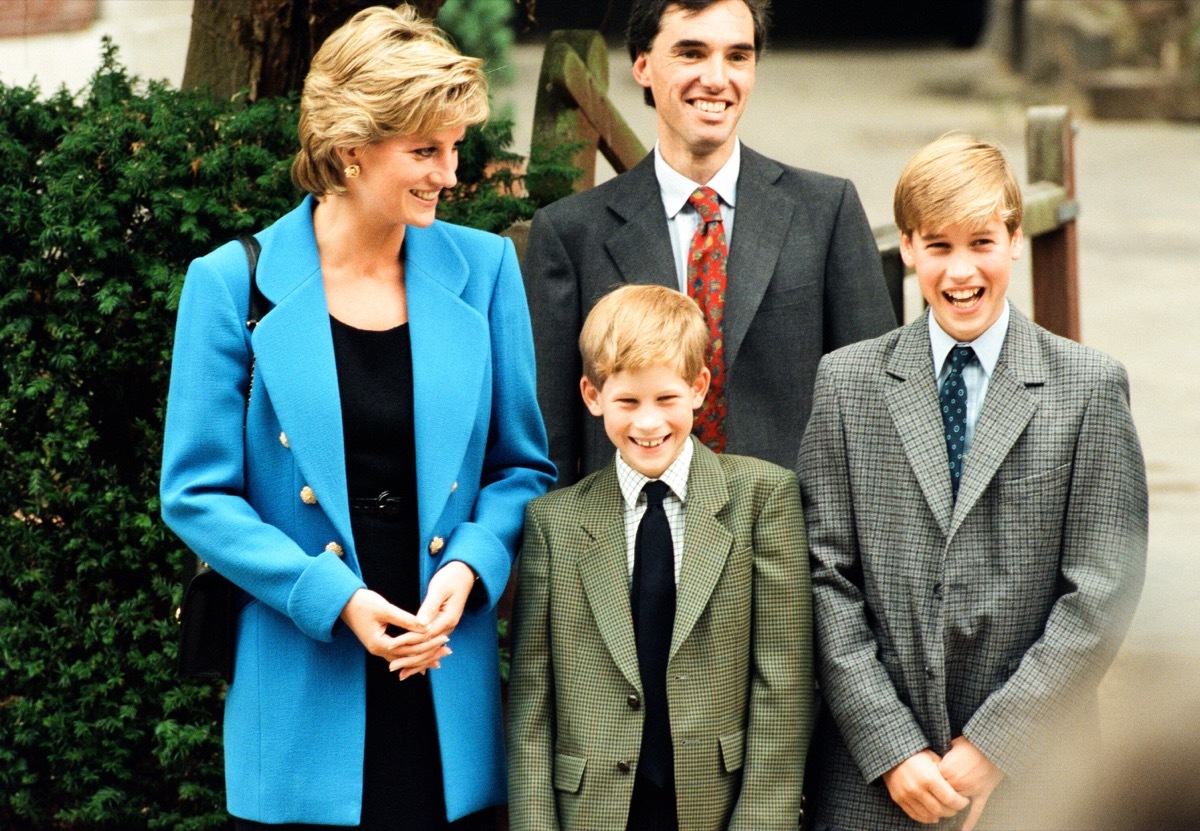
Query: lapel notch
x=763, y=217
x=604, y=571
x=706, y=541
x=912, y=403
x=1007, y=410
x=641, y=248
x=451, y=354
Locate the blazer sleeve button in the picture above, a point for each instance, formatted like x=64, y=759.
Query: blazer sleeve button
x=633, y=701
x=436, y=545
x=283, y=440
x=307, y=496
x=623, y=766
x=336, y=549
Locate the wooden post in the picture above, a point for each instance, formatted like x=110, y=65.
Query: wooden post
x=1050, y=151
x=572, y=107
x=557, y=121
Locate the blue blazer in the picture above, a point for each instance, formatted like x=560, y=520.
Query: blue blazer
x=231, y=489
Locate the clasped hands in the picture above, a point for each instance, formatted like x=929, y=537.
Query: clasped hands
x=426, y=636
x=930, y=788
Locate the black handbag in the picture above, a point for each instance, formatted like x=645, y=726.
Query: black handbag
x=209, y=611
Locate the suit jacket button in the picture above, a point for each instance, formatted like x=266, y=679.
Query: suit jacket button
x=633, y=701
x=435, y=545
x=454, y=487
x=336, y=549
x=307, y=496
x=283, y=440
x=623, y=766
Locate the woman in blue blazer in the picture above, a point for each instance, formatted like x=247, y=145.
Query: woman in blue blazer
x=360, y=461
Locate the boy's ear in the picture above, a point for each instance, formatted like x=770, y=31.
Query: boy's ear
x=700, y=386
x=1018, y=240
x=591, y=396
x=906, y=249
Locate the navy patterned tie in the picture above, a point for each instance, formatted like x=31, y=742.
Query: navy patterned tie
x=954, y=412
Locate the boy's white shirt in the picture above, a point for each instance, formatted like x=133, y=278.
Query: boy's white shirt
x=674, y=477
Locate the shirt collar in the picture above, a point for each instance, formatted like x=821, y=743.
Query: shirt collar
x=675, y=188
x=674, y=477
x=987, y=346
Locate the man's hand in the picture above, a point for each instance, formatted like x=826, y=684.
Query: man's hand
x=918, y=787
x=970, y=773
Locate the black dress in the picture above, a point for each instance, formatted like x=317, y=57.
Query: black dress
x=402, y=769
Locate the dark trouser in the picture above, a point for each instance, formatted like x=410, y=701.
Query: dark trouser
x=484, y=820
x=652, y=808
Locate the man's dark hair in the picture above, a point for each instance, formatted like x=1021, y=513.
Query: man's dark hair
x=645, y=18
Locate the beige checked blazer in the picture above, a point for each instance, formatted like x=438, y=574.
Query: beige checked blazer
x=739, y=681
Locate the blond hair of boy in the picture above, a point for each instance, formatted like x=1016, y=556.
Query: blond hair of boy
x=957, y=179
x=637, y=326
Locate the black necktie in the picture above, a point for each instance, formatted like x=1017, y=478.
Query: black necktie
x=954, y=412
x=652, y=601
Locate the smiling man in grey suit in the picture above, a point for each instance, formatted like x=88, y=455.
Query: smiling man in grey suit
x=976, y=503
x=802, y=275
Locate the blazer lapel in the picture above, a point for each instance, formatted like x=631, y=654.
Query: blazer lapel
x=1007, y=410
x=641, y=248
x=760, y=228
x=706, y=542
x=604, y=571
x=293, y=349
x=911, y=401
x=450, y=349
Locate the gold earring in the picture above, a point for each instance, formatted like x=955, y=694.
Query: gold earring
x=352, y=171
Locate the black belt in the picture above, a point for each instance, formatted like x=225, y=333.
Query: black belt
x=387, y=506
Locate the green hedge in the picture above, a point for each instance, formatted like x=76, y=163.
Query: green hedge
x=107, y=196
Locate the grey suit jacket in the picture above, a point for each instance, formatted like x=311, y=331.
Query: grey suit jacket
x=739, y=681
x=994, y=616
x=804, y=278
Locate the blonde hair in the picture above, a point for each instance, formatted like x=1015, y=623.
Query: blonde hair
x=635, y=327
x=385, y=72
x=958, y=179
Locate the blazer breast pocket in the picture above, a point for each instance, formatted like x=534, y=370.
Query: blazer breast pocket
x=1047, y=480
x=568, y=772
x=1030, y=512
x=786, y=297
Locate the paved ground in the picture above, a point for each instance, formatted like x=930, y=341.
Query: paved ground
x=862, y=113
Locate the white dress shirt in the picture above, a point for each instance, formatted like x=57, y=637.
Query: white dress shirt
x=674, y=477
x=682, y=218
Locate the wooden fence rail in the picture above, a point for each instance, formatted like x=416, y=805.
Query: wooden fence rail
x=573, y=106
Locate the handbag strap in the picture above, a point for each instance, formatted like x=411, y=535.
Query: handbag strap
x=259, y=305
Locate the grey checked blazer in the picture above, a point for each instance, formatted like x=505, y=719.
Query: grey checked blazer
x=804, y=279
x=739, y=681
x=993, y=617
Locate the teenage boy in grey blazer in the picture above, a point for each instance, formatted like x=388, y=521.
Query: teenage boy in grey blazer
x=803, y=269
x=966, y=608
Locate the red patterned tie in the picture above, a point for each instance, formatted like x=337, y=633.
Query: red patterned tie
x=706, y=262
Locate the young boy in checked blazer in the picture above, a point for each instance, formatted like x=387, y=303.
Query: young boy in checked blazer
x=976, y=504
x=661, y=673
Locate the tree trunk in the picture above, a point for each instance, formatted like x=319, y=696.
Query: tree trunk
x=264, y=46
